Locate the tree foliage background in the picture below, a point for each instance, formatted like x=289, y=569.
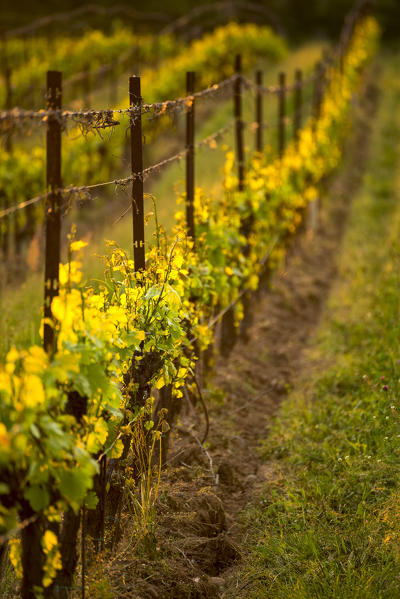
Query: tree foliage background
x=298, y=18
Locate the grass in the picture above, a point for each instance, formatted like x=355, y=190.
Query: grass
x=327, y=524
x=21, y=306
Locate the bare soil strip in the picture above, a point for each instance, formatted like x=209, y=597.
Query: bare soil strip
x=199, y=534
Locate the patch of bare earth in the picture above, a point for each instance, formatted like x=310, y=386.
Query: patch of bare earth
x=199, y=531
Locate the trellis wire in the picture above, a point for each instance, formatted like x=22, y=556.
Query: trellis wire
x=67, y=192
x=102, y=118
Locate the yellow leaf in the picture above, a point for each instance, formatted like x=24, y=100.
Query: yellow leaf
x=36, y=360
x=77, y=245
x=178, y=261
x=58, y=308
x=12, y=355
x=32, y=393
x=97, y=437
x=49, y=541
x=160, y=383
x=117, y=449
x=4, y=438
x=182, y=373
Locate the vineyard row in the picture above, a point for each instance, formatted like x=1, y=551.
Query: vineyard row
x=79, y=420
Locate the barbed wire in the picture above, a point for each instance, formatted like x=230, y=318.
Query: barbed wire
x=206, y=141
x=88, y=120
x=85, y=120
x=104, y=118
x=276, y=89
x=253, y=126
x=83, y=191
x=10, y=210
x=214, y=136
x=100, y=119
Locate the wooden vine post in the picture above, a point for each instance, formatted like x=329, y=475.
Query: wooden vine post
x=237, y=100
x=298, y=103
x=259, y=111
x=137, y=173
x=190, y=128
x=53, y=205
x=281, y=114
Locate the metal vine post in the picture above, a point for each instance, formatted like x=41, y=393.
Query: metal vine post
x=281, y=114
x=137, y=172
x=237, y=99
x=53, y=205
x=259, y=111
x=298, y=103
x=190, y=131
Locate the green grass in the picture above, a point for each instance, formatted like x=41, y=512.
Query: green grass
x=21, y=306
x=327, y=524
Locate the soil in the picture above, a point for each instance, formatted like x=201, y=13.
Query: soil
x=199, y=531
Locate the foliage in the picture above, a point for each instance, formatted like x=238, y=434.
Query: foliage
x=212, y=58
x=60, y=412
x=93, y=157
x=73, y=55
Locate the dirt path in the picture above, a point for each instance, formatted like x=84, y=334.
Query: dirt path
x=203, y=492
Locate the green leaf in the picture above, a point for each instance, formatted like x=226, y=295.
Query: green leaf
x=37, y=497
x=35, y=431
x=74, y=485
x=82, y=385
x=91, y=500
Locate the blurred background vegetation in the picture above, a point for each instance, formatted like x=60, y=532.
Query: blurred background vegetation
x=297, y=18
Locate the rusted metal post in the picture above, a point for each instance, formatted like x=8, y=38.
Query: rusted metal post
x=298, y=103
x=237, y=99
x=281, y=114
x=137, y=172
x=190, y=124
x=259, y=111
x=53, y=205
